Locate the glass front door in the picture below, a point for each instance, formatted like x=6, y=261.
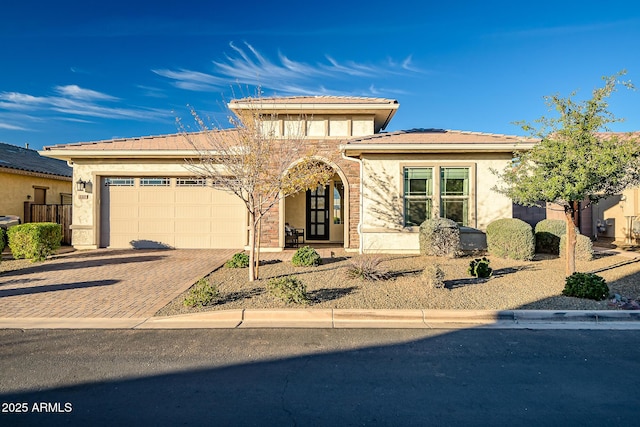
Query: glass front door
x=318, y=213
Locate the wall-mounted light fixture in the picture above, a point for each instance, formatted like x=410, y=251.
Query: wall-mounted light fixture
x=81, y=185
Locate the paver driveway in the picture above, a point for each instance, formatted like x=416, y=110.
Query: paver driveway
x=105, y=283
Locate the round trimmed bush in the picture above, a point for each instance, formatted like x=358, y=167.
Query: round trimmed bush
x=548, y=233
x=511, y=238
x=306, y=256
x=586, y=285
x=439, y=237
x=584, y=247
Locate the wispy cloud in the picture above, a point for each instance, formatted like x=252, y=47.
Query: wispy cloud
x=247, y=66
x=10, y=126
x=76, y=102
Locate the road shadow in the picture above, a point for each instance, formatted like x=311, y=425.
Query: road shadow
x=55, y=288
x=408, y=378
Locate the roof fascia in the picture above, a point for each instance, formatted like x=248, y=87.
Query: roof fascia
x=357, y=149
x=129, y=154
x=35, y=174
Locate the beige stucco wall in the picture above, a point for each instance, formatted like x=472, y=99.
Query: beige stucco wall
x=615, y=211
x=321, y=126
x=14, y=189
x=383, y=216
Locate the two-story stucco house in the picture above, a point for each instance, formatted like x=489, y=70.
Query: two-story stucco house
x=384, y=186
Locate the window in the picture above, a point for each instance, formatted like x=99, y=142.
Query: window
x=119, y=182
x=191, y=182
x=418, y=191
x=451, y=194
x=338, y=208
x=155, y=182
x=454, y=194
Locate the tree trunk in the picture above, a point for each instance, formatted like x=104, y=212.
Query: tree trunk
x=258, y=234
x=252, y=246
x=570, y=247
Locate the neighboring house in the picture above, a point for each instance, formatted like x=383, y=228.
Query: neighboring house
x=385, y=184
x=614, y=219
x=27, y=177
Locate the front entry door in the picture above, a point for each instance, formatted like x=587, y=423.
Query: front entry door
x=318, y=213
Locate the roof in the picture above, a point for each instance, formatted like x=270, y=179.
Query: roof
x=172, y=142
x=318, y=100
x=439, y=136
x=621, y=135
x=23, y=159
x=437, y=140
x=382, y=109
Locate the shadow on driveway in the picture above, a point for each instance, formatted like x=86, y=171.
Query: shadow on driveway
x=73, y=265
x=53, y=288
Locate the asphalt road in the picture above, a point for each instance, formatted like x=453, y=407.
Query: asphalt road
x=319, y=377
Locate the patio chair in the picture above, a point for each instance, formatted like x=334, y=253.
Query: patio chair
x=293, y=236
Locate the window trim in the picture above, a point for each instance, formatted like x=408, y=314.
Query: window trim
x=436, y=197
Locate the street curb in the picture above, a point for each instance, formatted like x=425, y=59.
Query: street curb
x=350, y=319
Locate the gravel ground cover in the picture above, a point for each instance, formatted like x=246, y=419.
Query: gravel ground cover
x=536, y=284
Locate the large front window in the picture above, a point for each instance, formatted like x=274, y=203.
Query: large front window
x=452, y=194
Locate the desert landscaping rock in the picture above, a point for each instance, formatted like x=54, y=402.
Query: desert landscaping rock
x=530, y=285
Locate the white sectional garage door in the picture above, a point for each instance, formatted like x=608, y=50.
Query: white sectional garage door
x=169, y=212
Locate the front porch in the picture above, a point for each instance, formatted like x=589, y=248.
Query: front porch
x=317, y=217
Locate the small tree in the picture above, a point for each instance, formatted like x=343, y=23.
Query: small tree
x=254, y=162
x=573, y=161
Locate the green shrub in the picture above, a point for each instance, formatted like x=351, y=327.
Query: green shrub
x=35, y=241
x=479, y=268
x=201, y=294
x=305, y=257
x=548, y=233
x=586, y=285
x=433, y=276
x=239, y=260
x=511, y=238
x=367, y=267
x=584, y=247
x=439, y=237
x=288, y=289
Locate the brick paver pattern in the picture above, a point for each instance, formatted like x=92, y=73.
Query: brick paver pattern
x=105, y=283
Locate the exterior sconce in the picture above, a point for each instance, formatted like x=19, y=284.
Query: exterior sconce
x=81, y=185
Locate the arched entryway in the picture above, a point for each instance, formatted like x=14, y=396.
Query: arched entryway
x=322, y=213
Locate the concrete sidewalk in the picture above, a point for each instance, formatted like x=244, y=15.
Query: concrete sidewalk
x=344, y=318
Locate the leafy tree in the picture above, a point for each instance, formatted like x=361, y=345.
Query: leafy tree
x=574, y=160
x=254, y=162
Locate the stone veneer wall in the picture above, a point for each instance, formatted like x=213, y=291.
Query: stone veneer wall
x=325, y=149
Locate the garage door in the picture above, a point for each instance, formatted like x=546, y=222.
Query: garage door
x=169, y=212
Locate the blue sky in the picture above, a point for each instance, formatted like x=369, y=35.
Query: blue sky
x=82, y=71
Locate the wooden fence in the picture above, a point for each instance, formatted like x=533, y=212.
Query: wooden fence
x=60, y=214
